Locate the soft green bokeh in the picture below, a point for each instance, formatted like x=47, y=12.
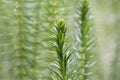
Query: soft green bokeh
x=40, y=17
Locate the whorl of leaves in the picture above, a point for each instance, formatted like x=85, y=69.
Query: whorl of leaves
x=60, y=67
x=23, y=59
x=85, y=40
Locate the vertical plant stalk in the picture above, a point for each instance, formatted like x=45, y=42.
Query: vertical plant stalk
x=86, y=40
x=53, y=9
x=60, y=38
x=21, y=38
x=22, y=62
x=60, y=67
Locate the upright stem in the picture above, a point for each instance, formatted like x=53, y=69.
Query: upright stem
x=62, y=57
x=60, y=39
x=20, y=38
x=85, y=37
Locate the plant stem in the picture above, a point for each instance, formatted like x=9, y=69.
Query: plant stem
x=20, y=38
x=85, y=37
x=59, y=47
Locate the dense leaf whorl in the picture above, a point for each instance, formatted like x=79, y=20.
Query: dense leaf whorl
x=60, y=66
x=86, y=42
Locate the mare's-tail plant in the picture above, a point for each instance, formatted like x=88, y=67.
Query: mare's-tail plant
x=60, y=67
x=84, y=40
x=22, y=61
x=53, y=9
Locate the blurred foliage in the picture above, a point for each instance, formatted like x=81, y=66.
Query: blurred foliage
x=27, y=31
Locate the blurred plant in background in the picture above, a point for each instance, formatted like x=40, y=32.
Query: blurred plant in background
x=27, y=31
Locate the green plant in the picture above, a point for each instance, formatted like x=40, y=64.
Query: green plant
x=53, y=9
x=28, y=27
x=23, y=58
x=85, y=41
x=60, y=67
